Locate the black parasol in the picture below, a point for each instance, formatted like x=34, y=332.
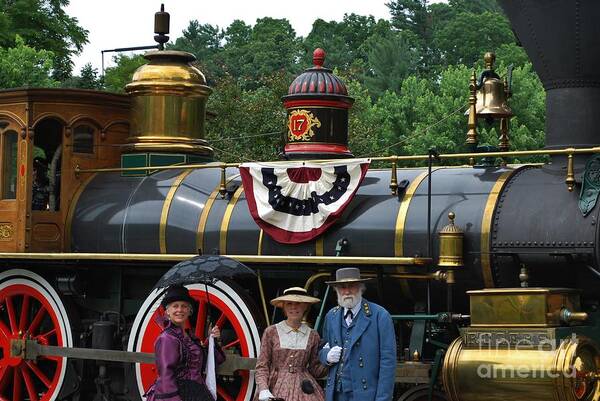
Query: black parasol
x=205, y=269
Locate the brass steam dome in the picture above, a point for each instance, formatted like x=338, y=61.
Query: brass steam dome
x=169, y=98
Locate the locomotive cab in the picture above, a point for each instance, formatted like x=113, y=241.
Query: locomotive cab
x=43, y=132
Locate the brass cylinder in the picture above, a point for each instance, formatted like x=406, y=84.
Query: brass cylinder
x=567, y=373
x=169, y=98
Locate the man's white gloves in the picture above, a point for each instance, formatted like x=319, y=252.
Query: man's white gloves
x=334, y=354
x=264, y=395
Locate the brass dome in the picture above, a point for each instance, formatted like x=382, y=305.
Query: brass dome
x=169, y=98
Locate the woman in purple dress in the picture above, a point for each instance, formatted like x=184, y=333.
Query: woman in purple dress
x=288, y=362
x=180, y=357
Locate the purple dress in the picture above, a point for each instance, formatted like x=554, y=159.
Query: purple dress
x=178, y=357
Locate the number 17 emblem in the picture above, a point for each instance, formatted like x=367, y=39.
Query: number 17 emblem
x=300, y=124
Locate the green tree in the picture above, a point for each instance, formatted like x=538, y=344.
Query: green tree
x=457, y=32
x=345, y=41
x=271, y=47
x=204, y=42
x=115, y=78
x=327, y=36
x=87, y=79
x=250, y=123
x=476, y=6
x=465, y=38
x=391, y=59
x=23, y=66
x=43, y=24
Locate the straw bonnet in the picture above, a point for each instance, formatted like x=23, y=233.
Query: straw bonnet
x=347, y=275
x=294, y=294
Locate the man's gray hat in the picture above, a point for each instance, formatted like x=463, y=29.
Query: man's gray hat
x=347, y=275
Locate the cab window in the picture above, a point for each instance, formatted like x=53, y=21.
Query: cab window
x=83, y=139
x=9, y=165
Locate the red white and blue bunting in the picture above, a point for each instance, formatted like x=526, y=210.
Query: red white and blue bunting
x=296, y=201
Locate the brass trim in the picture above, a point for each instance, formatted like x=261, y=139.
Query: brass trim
x=74, y=200
x=260, y=242
x=319, y=245
x=403, y=211
x=400, y=223
x=486, y=225
x=227, y=219
x=175, y=257
x=164, y=215
x=263, y=299
x=204, y=218
x=313, y=278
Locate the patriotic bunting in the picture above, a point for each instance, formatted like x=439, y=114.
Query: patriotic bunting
x=296, y=201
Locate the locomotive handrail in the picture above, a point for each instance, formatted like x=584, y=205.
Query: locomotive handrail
x=569, y=152
x=540, y=152
x=267, y=259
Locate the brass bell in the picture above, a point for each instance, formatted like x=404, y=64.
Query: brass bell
x=492, y=95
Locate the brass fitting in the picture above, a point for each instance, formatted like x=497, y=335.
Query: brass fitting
x=451, y=245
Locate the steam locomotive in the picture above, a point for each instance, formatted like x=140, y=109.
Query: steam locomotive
x=489, y=270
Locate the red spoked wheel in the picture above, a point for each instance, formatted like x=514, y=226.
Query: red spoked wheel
x=229, y=309
x=31, y=308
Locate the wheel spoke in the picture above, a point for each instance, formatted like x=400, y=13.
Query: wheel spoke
x=4, y=377
x=39, y=374
x=4, y=330
x=10, y=310
x=37, y=320
x=46, y=334
x=221, y=320
x=17, y=390
x=224, y=394
x=24, y=313
x=231, y=344
x=29, y=384
x=51, y=358
x=201, y=320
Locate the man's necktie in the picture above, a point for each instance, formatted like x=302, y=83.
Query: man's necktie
x=348, y=316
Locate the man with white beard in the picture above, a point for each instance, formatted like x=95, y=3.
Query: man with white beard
x=360, y=344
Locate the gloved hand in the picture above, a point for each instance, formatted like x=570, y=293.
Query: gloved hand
x=264, y=395
x=334, y=354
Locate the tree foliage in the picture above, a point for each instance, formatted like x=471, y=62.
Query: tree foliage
x=115, y=78
x=23, y=66
x=43, y=25
x=88, y=78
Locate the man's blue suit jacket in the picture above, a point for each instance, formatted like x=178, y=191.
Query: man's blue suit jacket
x=370, y=358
